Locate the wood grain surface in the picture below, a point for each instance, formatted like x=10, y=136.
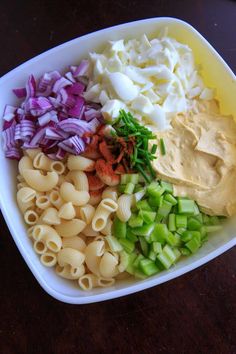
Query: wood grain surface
x=193, y=314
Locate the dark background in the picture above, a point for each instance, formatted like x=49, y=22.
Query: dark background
x=192, y=314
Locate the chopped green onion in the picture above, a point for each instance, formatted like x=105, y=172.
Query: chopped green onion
x=162, y=146
x=153, y=149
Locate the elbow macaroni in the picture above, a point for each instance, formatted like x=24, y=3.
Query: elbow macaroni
x=65, y=219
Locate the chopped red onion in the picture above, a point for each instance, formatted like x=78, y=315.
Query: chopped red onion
x=60, y=83
x=20, y=92
x=78, y=109
x=53, y=115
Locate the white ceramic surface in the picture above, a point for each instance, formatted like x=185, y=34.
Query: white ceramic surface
x=216, y=74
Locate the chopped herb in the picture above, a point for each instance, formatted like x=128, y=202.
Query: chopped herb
x=162, y=146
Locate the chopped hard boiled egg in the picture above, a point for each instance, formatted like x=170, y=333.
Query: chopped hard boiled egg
x=153, y=79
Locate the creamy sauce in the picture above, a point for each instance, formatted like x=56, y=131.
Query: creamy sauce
x=200, y=160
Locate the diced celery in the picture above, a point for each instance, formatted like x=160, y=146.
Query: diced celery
x=206, y=219
x=194, y=224
x=164, y=209
x=188, y=235
x=147, y=216
x=199, y=218
x=176, y=252
x=129, y=188
x=130, y=268
x=144, y=246
x=138, y=188
x=167, y=250
x=148, y=267
x=185, y=251
x=152, y=255
x=135, y=220
x=155, y=201
x=124, y=261
x=214, y=220
x=193, y=245
x=171, y=222
x=160, y=233
x=213, y=228
x=137, y=260
x=143, y=204
x=127, y=245
x=144, y=230
x=167, y=186
x=121, y=188
x=131, y=236
x=130, y=178
x=139, y=274
x=164, y=260
x=155, y=190
x=173, y=239
x=181, y=230
x=181, y=221
x=113, y=243
x=156, y=247
x=186, y=206
x=169, y=197
x=119, y=228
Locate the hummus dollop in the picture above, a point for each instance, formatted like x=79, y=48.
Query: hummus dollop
x=200, y=161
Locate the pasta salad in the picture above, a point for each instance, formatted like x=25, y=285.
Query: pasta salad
x=102, y=195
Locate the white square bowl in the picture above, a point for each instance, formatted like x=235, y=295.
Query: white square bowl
x=216, y=74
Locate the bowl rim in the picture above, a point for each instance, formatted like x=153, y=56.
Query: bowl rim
x=135, y=287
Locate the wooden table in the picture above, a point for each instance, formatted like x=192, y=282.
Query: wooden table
x=192, y=314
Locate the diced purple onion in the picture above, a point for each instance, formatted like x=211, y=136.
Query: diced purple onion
x=30, y=87
x=20, y=92
x=53, y=115
x=78, y=109
x=81, y=69
x=60, y=83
